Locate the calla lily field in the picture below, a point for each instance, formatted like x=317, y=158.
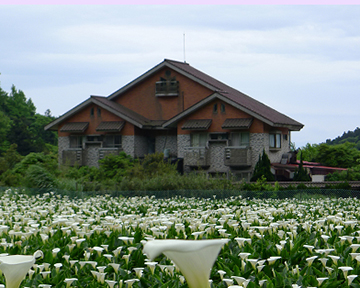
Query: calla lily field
x=50, y=240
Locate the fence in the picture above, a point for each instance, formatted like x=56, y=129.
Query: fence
x=213, y=194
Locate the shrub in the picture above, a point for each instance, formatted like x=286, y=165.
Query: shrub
x=38, y=177
x=116, y=166
x=263, y=169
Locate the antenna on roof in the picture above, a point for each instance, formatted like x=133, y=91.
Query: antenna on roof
x=184, y=47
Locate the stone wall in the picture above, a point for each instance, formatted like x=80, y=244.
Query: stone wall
x=182, y=142
x=217, y=157
x=128, y=145
x=141, y=146
x=91, y=154
x=257, y=144
x=166, y=142
x=63, y=144
x=259, y=141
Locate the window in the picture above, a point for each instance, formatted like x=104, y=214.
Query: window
x=75, y=141
x=111, y=141
x=199, y=139
x=167, y=86
x=215, y=108
x=92, y=111
x=99, y=112
x=275, y=140
x=240, y=139
x=222, y=108
x=94, y=138
x=219, y=136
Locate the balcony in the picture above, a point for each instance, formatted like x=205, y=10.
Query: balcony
x=103, y=152
x=196, y=156
x=237, y=156
x=72, y=157
x=166, y=88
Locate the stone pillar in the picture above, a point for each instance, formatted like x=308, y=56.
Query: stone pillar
x=128, y=145
x=182, y=142
x=63, y=144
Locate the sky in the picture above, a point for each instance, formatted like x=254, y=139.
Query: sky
x=302, y=60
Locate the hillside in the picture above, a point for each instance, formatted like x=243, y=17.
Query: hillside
x=350, y=136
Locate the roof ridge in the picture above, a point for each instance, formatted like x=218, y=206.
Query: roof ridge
x=199, y=71
x=176, y=61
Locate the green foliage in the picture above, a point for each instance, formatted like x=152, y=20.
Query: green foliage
x=37, y=176
x=5, y=126
x=351, y=174
x=342, y=155
x=152, y=165
x=47, y=161
x=263, y=169
x=116, y=166
x=9, y=159
x=309, y=152
x=33, y=169
x=21, y=125
x=300, y=172
x=350, y=136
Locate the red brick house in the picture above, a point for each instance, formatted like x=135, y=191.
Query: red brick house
x=181, y=111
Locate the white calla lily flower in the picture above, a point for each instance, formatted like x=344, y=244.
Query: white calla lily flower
x=15, y=267
x=194, y=258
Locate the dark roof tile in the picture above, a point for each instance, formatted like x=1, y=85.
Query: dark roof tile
x=237, y=123
x=238, y=97
x=112, y=126
x=74, y=127
x=197, y=124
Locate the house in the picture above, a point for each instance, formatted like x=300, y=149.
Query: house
x=285, y=169
x=181, y=111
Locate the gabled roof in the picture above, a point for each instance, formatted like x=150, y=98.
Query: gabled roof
x=113, y=107
x=221, y=91
x=234, y=97
x=292, y=125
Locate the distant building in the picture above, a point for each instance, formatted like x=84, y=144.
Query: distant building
x=285, y=169
x=181, y=111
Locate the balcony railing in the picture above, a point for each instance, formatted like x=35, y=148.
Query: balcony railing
x=167, y=88
x=72, y=157
x=237, y=156
x=196, y=156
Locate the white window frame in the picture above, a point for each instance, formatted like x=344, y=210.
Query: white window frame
x=275, y=140
x=77, y=140
x=199, y=139
x=244, y=139
x=110, y=141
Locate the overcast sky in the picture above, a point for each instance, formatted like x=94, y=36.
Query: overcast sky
x=303, y=61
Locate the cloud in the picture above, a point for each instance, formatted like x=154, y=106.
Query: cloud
x=301, y=60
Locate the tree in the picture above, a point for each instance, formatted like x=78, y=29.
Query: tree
x=341, y=155
x=309, y=152
x=301, y=173
x=5, y=126
x=263, y=169
x=9, y=159
x=20, y=124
